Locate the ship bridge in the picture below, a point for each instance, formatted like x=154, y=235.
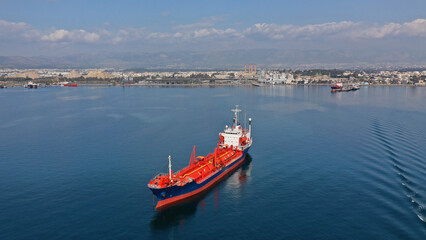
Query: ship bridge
x=232, y=135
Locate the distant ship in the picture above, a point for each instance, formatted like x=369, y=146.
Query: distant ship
x=355, y=87
x=347, y=88
x=203, y=172
x=66, y=84
x=259, y=84
x=31, y=85
x=336, y=87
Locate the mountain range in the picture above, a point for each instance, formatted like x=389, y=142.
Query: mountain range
x=229, y=60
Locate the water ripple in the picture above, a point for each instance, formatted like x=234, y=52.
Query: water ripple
x=399, y=148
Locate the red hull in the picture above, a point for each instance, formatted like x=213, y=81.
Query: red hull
x=203, y=172
x=71, y=85
x=194, y=194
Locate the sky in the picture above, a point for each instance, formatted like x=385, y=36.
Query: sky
x=67, y=27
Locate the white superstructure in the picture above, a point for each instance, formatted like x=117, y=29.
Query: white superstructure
x=235, y=136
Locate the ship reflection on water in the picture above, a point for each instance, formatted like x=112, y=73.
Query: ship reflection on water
x=236, y=182
x=176, y=216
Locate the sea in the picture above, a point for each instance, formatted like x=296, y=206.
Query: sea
x=75, y=162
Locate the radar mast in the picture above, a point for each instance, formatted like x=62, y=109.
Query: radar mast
x=236, y=111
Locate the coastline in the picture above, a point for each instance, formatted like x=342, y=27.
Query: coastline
x=190, y=83
x=195, y=85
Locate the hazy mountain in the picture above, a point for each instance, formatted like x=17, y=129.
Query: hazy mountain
x=264, y=58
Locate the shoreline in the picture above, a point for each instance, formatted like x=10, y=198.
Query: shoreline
x=246, y=83
x=217, y=85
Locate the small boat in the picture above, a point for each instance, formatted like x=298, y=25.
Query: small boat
x=346, y=88
x=70, y=84
x=203, y=172
x=355, y=87
x=337, y=87
x=31, y=85
x=259, y=84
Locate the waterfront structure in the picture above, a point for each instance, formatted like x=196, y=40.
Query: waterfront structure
x=248, y=76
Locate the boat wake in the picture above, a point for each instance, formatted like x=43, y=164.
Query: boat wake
x=421, y=218
x=403, y=154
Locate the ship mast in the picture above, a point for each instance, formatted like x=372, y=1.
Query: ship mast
x=170, y=167
x=236, y=111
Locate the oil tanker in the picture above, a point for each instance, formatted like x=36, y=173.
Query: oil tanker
x=203, y=172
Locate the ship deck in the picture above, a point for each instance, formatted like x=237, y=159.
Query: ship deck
x=199, y=169
x=204, y=166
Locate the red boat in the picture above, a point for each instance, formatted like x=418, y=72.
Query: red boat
x=336, y=87
x=70, y=84
x=203, y=172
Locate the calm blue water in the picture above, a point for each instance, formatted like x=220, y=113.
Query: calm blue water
x=74, y=163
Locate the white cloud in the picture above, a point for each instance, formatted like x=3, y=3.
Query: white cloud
x=202, y=33
x=415, y=28
x=63, y=35
x=7, y=28
x=177, y=35
x=193, y=26
x=213, y=32
x=342, y=30
x=277, y=32
x=132, y=34
x=206, y=22
x=158, y=35
x=21, y=30
x=32, y=35
x=205, y=30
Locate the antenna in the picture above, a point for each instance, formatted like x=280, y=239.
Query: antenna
x=170, y=167
x=245, y=117
x=236, y=111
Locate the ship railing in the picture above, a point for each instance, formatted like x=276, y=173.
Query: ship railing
x=222, y=145
x=160, y=175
